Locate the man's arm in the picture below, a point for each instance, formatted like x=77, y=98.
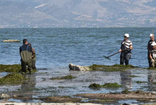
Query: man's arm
x=120, y=47
x=20, y=50
x=30, y=49
x=148, y=45
x=131, y=47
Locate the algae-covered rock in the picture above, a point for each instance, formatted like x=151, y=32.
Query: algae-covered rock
x=10, y=68
x=101, y=67
x=103, y=101
x=60, y=99
x=64, y=77
x=12, y=79
x=4, y=96
x=137, y=95
x=95, y=86
x=126, y=91
x=106, y=85
x=78, y=67
x=111, y=68
x=111, y=85
x=11, y=40
x=141, y=82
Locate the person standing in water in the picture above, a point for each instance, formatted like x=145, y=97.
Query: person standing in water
x=150, y=48
x=26, y=56
x=125, y=50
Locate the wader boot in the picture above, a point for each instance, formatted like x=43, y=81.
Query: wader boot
x=33, y=62
x=26, y=59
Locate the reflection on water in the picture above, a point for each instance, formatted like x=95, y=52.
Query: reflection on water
x=152, y=80
x=27, y=87
x=126, y=80
x=39, y=84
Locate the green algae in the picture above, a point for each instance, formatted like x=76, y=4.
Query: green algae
x=126, y=91
x=133, y=76
x=112, y=68
x=10, y=68
x=151, y=68
x=106, y=85
x=64, y=77
x=103, y=101
x=12, y=79
x=111, y=85
x=95, y=86
x=141, y=82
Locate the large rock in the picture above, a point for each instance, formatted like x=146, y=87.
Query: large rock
x=4, y=95
x=11, y=40
x=78, y=68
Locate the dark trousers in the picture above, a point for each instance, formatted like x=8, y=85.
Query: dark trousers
x=124, y=58
x=34, y=63
x=149, y=60
x=24, y=64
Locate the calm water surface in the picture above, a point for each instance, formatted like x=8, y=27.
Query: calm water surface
x=57, y=47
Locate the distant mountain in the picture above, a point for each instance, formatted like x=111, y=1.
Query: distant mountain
x=77, y=13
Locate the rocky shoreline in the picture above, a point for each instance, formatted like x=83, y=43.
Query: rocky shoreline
x=70, y=82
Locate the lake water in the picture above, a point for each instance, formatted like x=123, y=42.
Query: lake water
x=57, y=47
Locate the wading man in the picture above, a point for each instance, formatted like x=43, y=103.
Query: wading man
x=125, y=50
x=26, y=56
x=33, y=57
x=151, y=51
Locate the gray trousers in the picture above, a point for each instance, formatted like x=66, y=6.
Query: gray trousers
x=124, y=57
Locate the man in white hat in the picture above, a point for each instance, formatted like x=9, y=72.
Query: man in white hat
x=151, y=50
x=125, y=50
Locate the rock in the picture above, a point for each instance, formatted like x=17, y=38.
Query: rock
x=78, y=68
x=11, y=40
x=4, y=96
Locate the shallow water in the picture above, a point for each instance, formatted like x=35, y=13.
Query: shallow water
x=40, y=84
x=56, y=48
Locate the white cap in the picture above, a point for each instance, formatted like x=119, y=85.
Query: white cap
x=126, y=35
x=151, y=35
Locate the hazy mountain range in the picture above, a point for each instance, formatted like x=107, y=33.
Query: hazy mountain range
x=77, y=13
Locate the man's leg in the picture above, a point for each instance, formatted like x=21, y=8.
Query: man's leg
x=30, y=66
x=155, y=63
x=149, y=60
x=127, y=57
x=23, y=64
x=33, y=63
x=121, y=58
